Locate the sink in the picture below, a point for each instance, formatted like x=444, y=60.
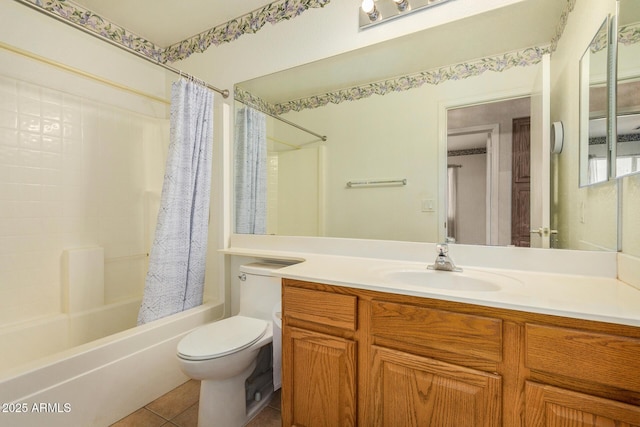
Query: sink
x=468, y=280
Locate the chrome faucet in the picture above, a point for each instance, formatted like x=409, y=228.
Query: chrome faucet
x=443, y=262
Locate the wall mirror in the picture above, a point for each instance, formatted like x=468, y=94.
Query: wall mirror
x=628, y=89
x=381, y=172
x=594, y=147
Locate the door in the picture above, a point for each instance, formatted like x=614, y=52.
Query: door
x=521, y=182
x=548, y=406
x=319, y=380
x=410, y=390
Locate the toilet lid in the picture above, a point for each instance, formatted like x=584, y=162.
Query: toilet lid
x=220, y=338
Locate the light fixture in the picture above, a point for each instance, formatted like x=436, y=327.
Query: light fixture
x=369, y=7
x=374, y=12
x=402, y=5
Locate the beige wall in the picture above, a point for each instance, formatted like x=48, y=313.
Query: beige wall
x=586, y=218
x=397, y=136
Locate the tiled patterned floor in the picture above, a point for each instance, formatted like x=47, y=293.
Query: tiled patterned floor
x=179, y=408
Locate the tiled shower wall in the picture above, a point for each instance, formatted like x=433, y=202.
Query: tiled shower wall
x=73, y=173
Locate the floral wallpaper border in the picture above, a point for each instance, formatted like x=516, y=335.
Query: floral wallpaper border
x=250, y=23
x=629, y=34
x=247, y=24
x=564, y=17
x=467, y=152
x=85, y=18
x=281, y=10
x=629, y=137
x=521, y=58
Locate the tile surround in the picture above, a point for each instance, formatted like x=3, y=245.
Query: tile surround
x=71, y=174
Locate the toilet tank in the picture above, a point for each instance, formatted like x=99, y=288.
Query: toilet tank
x=259, y=290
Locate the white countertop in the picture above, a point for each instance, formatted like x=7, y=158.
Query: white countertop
x=578, y=296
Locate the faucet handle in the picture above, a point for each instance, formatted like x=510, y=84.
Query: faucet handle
x=442, y=248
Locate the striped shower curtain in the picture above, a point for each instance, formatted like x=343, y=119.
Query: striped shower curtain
x=175, y=279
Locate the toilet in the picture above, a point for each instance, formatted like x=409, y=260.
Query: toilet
x=224, y=354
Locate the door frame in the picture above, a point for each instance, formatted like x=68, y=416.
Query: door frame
x=443, y=107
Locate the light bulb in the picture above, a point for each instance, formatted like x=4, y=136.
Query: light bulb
x=368, y=6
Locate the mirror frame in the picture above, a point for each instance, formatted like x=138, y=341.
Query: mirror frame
x=617, y=114
x=607, y=26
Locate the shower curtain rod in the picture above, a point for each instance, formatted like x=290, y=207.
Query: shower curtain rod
x=65, y=67
x=223, y=92
x=322, y=137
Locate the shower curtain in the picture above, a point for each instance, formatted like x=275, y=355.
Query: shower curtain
x=175, y=279
x=250, y=172
x=452, y=202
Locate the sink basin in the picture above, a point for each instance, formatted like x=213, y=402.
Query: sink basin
x=475, y=281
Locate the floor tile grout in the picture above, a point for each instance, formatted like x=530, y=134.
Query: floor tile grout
x=187, y=416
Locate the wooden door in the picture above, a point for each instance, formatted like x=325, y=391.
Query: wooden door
x=411, y=390
x=548, y=406
x=521, y=182
x=319, y=380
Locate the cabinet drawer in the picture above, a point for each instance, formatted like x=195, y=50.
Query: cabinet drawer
x=320, y=307
x=458, y=333
x=600, y=358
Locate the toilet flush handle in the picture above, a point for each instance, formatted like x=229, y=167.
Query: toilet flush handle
x=242, y=277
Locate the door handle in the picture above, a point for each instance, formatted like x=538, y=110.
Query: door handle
x=543, y=231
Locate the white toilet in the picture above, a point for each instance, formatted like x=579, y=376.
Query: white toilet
x=223, y=354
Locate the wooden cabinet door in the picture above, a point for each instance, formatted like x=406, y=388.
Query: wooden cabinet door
x=410, y=390
x=319, y=380
x=548, y=406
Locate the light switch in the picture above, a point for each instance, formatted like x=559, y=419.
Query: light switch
x=428, y=205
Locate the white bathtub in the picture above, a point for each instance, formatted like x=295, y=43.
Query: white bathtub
x=97, y=383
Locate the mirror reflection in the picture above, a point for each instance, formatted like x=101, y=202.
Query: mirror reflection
x=482, y=207
x=593, y=110
x=628, y=90
x=395, y=137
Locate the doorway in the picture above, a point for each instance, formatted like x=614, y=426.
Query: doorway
x=472, y=167
x=480, y=140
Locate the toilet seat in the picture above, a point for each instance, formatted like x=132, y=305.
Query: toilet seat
x=221, y=338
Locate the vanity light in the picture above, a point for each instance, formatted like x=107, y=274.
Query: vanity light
x=402, y=5
x=369, y=7
x=374, y=12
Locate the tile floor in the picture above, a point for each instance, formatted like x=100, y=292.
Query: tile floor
x=179, y=408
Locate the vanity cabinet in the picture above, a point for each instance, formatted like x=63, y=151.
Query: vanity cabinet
x=319, y=377
x=584, y=360
x=410, y=386
x=354, y=357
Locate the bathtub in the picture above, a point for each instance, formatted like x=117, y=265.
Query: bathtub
x=99, y=382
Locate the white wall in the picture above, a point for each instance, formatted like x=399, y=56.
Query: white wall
x=471, y=210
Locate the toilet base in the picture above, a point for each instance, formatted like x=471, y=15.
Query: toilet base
x=223, y=404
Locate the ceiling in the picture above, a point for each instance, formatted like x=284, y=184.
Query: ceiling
x=166, y=22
